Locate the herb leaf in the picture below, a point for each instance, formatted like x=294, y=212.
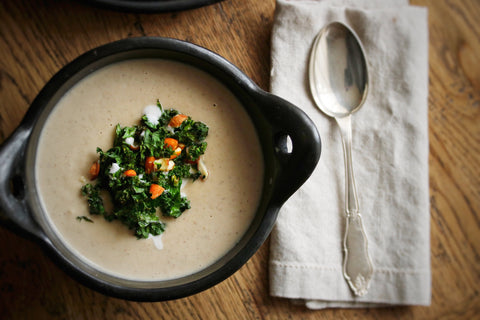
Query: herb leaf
x=80, y=218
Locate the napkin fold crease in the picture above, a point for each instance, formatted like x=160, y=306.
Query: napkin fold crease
x=390, y=159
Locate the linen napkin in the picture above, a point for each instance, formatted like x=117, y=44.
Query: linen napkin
x=390, y=159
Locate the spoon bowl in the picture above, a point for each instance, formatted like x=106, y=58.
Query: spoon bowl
x=339, y=84
x=338, y=71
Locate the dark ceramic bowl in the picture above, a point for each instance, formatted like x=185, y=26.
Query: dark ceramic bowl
x=149, y=6
x=275, y=120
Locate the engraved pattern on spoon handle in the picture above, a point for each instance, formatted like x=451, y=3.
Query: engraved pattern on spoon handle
x=357, y=268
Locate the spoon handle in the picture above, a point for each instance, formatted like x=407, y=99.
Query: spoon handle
x=357, y=267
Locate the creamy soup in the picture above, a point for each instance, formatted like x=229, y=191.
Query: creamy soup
x=222, y=207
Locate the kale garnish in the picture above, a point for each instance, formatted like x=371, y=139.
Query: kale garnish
x=141, y=159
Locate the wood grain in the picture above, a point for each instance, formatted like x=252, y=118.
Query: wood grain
x=38, y=37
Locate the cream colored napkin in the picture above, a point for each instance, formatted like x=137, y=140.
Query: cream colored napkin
x=390, y=157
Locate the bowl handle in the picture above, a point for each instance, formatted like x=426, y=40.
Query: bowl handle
x=14, y=212
x=298, y=157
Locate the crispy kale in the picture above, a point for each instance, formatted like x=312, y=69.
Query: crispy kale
x=140, y=158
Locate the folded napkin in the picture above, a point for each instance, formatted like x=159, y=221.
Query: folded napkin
x=390, y=159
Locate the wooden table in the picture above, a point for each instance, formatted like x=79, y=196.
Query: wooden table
x=38, y=37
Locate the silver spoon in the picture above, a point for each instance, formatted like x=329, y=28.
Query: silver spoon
x=339, y=85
